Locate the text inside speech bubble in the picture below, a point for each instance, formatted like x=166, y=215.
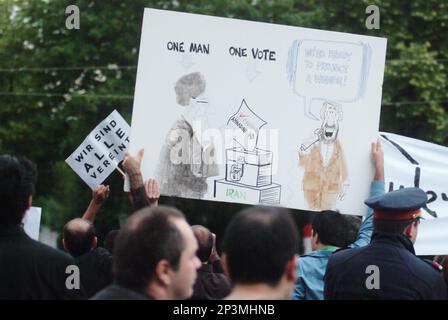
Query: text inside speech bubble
x=328, y=70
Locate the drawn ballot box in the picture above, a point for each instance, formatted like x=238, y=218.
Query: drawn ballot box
x=248, y=177
x=251, y=168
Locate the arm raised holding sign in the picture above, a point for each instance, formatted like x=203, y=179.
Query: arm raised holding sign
x=99, y=197
x=131, y=165
x=152, y=192
x=143, y=194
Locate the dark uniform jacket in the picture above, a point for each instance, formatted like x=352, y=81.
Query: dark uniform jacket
x=95, y=269
x=32, y=270
x=117, y=292
x=402, y=275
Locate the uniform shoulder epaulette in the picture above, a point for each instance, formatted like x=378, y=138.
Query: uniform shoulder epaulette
x=434, y=264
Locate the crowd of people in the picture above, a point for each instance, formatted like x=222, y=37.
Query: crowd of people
x=157, y=255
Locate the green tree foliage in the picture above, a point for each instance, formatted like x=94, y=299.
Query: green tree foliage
x=57, y=84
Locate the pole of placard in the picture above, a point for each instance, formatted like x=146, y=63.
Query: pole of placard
x=121, y=171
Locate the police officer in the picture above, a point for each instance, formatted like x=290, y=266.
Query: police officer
x=387, y=268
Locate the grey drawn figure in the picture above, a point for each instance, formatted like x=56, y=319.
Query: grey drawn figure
x=185, y=162
x=325, y=172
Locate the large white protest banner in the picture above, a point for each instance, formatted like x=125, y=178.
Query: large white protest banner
x=415, y=163
x=101, y=152
x=31, y=222
x=432, y=238
x=249, y=112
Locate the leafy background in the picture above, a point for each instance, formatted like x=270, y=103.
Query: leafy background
x=57, y=84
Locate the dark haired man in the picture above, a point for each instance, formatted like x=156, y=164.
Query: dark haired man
x=154, y=257
x=260, y=246
x=94, y=262
x=330, y=229
x=211, y=282
x=109, y=240
x=79, y=239
x=387, y=268
x=28, y=269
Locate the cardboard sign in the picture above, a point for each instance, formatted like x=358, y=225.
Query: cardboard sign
x=101, y=152
x=248, y=112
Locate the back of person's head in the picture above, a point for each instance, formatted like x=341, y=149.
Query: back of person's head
x=149, y=236
x=354, y=223
x=331, y=228
x=18, y=178
x=109, y=241
x=398, y=212
x=258, y=244
x=205, y=242
x=392, y=226
x=79, y=237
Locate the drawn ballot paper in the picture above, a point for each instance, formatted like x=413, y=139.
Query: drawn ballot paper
x=31, y=222
x=246, y=125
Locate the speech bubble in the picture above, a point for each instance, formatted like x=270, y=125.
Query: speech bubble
x=328, y=70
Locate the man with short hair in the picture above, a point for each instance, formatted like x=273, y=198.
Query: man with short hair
x=79, y=239
x=154, y=257
x=211, y=283
x=260, y=246
x=387, y=268
x=28, y=269
x=109, y=240
x=94, y=262
x=330, y=231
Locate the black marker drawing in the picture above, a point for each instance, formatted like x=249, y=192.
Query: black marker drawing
x=248, y=168
x=432, y=195
x=247, y=124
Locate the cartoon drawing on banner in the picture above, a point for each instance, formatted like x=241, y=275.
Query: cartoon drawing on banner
x=265, y=89
x=186, y=160
x=327, y=70
x=248, y=168
x=325, y=176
